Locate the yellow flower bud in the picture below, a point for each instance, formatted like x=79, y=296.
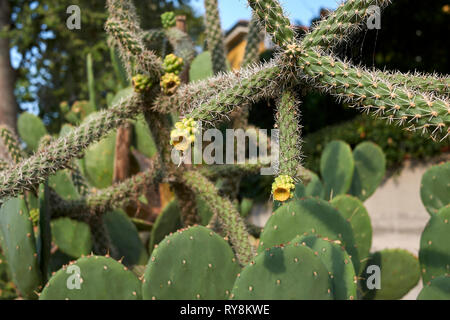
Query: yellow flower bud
x=283, y=188
x=184, y=134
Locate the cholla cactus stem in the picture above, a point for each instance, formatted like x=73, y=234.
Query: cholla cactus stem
x=227, y=214
x=36, y=169
x=11, y=142
x=214, y=36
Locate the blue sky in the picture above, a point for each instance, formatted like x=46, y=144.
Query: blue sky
x=233, y=10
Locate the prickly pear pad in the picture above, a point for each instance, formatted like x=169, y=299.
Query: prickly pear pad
x=353, y=210
x=305, y=217
x=339, y=265
x=435, y=188
x=100, y=278
x=191, y=264
x=370, y=168
x=437, y=289
x=336, y=167
x=284, y=273
x=19, y=245
x=400, y=272
x=434, y=254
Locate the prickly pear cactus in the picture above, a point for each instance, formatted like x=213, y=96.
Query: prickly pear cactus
x=370, y=168
x=72, y=237
x=58, y=200
x=436, y=289
x=143, y=139
x=434, y=254
x=169, y=220
x=314, y=188
x=125, y=239
x=191, y=264
x=62, y=183
x=93, y=278
x=308, y=217
x=399, y=272
x=338, y=263
x=97, y=162
x=201, y=67
x=31, y=129
x=435, y=187
x=19, y=245
x=356, y=214
x=336, y=168
x=284, y=273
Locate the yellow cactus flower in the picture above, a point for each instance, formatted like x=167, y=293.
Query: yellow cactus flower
x=169, y=83
x=184, y=134
x=180, y=139
x=283, y=188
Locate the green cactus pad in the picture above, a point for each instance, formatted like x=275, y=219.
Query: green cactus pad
x=336, y=168
x=284, y=273
x=353, y=210
x=19, y=245
x=99, y=162
x=143, y=139
x=31, y=129
x=191, y=264
x=44, y=236
x=79, y=111
x=63, y=185
x=169, y=220
x=125, y=238
x=65, y=130
x=72, y=237
x=245, y=207
x=338, y=263
x=122, y=95
x=201, y=67
x=437, y=289
x=434, y=254
x=370, y=168
x=435, y=187
x=101, y=278
x=306, y=217
x=400, y=272
x=57, y=260
x=314, y=188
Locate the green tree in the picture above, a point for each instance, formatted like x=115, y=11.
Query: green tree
x=8, y=106
x=52, y=67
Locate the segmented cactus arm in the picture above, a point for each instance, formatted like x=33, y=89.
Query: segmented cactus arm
x=214, y=36
x=226, y=213
x=102, y=201
x=36, y=169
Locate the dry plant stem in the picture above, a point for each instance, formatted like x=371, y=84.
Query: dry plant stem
x=122, y=153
